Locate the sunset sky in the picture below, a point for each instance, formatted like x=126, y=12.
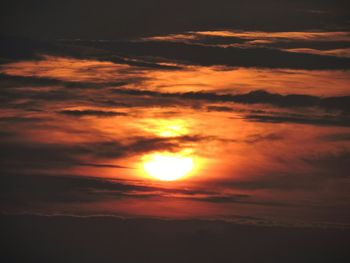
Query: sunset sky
x=237, y=111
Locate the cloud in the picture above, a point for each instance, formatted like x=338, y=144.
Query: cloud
x=281, y=182
x=14, y=49
x=96, y=113
x=8, y=81
x=333, y=165
x=235, y=198
x=322, y=43
x=326, y=121
x=29, y=190
x=254, y=97
x=99, y=165
x=254, y=138
x=334, y=137
x=23, y=188
x=328, y=44
x=238, y=14
x=17, y=81
x=22, y=155
x=18, y=119
x=230, y=56
x=124, y=56
x=219, y=108
x=320, y=170
x=122, y=239
x=25, y=82
x=17, y=187
x=275, y=182
x=297, y=39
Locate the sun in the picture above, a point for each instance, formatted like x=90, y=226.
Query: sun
x=167, y=166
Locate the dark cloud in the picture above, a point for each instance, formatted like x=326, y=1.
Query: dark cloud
x=97, y=19
x=28, y=189
x=254, y=138
x=22, y=48
x=17, y=48
x=111, y=238
x=23, y=155
x=272, y=181
x=103, y=165
x=325, y=121
x=218, y=40
x=149, y=63
x=337, y=137
x=326, y=44
x=147, y=54
x=231, y=56
x=10, y=95
x=7, y=135
x=333, y=165
x=254, y=97
x=278, y=182
x=220, y=108
x=233, y=198
x=336, y=103
x=320, y=45
x=328, y=170
x=97, y=113
x=18, y=119
x=8, y=81
x=238, y=198
x=267, y=40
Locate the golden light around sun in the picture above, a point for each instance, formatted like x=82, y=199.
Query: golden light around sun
x=167, y=127
x=168, y=166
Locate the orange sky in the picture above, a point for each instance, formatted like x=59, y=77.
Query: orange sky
x=256, y=158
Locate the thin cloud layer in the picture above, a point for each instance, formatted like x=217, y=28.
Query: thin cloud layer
x=82, y=113
x=255, y=97
x=319, y=43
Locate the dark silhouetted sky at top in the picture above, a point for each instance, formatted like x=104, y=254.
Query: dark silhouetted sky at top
x=110, y=19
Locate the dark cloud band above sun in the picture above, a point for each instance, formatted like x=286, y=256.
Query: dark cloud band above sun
x=229, y=56
x=255, y=97
x=250, y=55
x=100, y=19
x=82, y=113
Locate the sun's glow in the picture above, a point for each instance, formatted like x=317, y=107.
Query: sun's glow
x=167, y=127
x=168, y=166
x=172, y=131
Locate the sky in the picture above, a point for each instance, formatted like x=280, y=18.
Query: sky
x=237, y=111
